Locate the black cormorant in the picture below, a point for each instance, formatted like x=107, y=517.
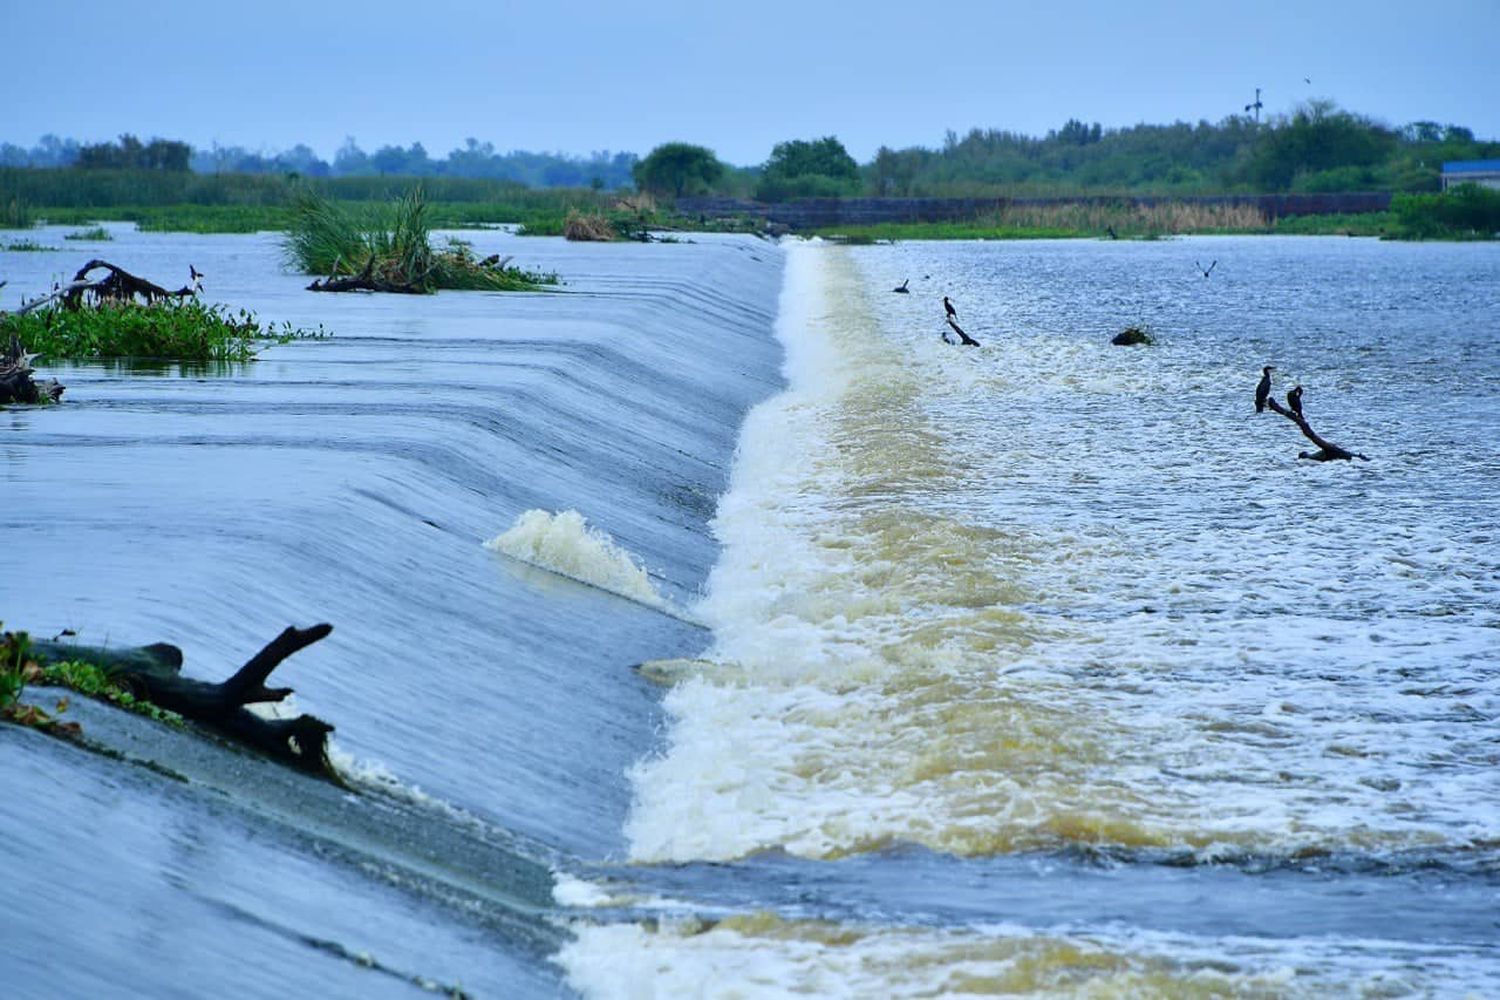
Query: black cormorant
x=1210, y=267
x=1294, y=400
x=902, y=287
x=1263, y=391
x=948, y=308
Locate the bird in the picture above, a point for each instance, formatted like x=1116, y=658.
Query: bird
x=1210, y=269
x=902, y=287
x=1294, y=400
x=1110, y=230
x=948, y=308
x=1263, y=390
x=1307, y=80
x=197, y=279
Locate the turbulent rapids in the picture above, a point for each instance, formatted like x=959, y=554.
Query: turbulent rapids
x=979, y=603
x=1040, y=666
x=899, y=667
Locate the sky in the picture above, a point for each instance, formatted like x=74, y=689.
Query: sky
x=575, y=77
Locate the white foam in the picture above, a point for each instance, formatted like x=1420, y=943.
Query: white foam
x=566, y=544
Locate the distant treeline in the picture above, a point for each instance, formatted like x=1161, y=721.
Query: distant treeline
x=475, y=160
x=1318, y=148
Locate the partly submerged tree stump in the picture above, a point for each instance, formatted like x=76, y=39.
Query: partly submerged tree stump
x=154, y=674
x=17, y=384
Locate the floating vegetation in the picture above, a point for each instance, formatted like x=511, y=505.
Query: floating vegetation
x=28, y=246
x=20, y=667
x=98, y=234
x=184, y=329
x=388, y=248
x=1135, y=333
x=592, y=227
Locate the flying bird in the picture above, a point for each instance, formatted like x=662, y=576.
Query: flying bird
x=1294, y=400
x=948, y=308
x=902, y=287
x=1263, y=390
x=1210, y=269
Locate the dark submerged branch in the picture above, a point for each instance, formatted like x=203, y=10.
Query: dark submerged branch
x=1327, y=450
x=963, y=338
x=154, y=673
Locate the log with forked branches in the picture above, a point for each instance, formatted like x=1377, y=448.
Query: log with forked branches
x=1327, y=450
x=153, y=673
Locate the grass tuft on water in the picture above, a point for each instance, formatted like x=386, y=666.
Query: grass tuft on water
x=27, y=246
x=185, y=330
x=325, y=238
x=98, y=234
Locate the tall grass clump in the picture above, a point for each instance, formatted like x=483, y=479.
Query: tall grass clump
x=394, y=243
x=181, y=330
x=98, y=234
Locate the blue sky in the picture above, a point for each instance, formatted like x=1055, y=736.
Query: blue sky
x=581, y=76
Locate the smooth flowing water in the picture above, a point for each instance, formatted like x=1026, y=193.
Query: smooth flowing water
x=1045, y=666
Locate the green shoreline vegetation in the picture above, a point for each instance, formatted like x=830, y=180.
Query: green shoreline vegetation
x=1317, y=149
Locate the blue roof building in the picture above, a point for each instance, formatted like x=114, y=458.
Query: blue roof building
x=1485, y=173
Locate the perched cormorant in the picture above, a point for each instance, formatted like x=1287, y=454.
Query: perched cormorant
x=902, y=287
x=1263, y=391
x=197, y=278
x=1110, y=230
x=1210, y=267
x=948, y=308
x=1294, y=400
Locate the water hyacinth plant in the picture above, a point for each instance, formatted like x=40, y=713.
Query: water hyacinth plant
x=185, y=330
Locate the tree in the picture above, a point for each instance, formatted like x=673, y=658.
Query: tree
x=678, y=168
x=802, y=168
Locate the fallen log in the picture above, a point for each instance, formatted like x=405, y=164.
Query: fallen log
x=963, y=338
x=1327, y=450
x=365, y=281
x=153, y=673
x=17, y=384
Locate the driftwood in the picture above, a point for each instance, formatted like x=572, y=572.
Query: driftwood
x=963, y=338
x=154, y=674
x=366, y=281
x=119, y=285
x=1327, y=450
x=16, y=382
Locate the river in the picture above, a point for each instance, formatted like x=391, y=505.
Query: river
x=1039, y=667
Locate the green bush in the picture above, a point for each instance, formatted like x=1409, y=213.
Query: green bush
x=1465, y=211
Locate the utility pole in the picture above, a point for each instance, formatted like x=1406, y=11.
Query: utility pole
x=1256, y=106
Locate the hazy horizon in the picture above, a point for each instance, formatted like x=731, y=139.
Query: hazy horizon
x=582, y=77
